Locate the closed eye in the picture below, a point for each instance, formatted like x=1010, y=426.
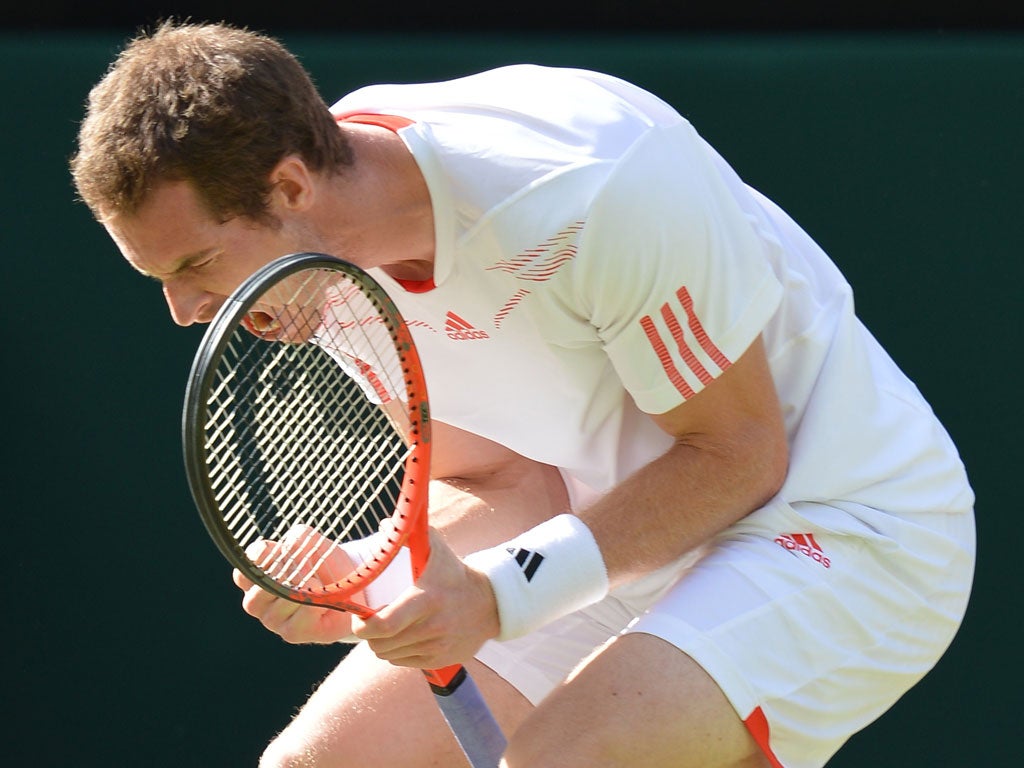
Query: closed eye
x=200, y=265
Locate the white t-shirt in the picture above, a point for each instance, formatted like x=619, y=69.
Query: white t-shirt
x=597, y=260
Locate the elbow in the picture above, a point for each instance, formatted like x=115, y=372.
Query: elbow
x=778, y=471
x=773, y=467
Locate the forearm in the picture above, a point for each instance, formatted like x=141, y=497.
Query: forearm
x=673, y=505
x=729, y=457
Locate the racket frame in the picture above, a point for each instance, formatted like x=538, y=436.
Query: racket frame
x=410, y=516
x=456, y=693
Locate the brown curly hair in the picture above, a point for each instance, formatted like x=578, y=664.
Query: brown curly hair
x=211, y=104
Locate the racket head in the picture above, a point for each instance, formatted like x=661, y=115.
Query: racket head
x=305, y=425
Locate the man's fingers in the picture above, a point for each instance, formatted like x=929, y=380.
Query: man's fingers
x=258, y=549
x=302, y=554
x=241, y=580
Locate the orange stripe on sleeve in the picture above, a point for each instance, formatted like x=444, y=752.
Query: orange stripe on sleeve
x=685, y=352
x=698, y=330
x=666, y=359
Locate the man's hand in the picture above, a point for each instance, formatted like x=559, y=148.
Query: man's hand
x=443, y=619
x=493, y=495
x=297, y=623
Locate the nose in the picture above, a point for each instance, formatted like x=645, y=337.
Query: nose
x=188, y=304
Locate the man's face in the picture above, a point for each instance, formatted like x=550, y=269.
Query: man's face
x=198, y=260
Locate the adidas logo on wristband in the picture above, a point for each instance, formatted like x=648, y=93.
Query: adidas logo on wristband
x=528, y=561
x=528, y=596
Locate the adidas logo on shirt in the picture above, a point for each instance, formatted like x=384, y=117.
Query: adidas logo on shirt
x=460, y=330
x=528, y=561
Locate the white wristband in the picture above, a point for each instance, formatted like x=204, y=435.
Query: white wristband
x=545, y=573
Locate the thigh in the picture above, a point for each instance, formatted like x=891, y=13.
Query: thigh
x=637, y=702
x=367, y=712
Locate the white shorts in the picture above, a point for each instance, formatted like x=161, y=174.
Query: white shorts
x=812, y=619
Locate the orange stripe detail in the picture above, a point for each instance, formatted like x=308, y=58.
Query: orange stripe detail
x=757, y=724
x=698, y=330
x=685, y=352
x=666, y=359
x=417, y=286
x=391, y=122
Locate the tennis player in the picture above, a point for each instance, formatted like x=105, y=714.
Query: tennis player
x=688, y=511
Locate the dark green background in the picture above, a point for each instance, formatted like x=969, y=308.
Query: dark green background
x=125, y=645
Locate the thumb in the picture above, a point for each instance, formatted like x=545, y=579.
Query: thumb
x=255, y=552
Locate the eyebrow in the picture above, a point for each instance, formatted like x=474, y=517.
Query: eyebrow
x=183, y=264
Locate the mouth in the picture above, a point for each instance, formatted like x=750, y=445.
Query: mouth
x=262, y=323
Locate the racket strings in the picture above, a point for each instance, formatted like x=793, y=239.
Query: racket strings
x=307, y=442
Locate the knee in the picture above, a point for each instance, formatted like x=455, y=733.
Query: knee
x=284, y=752
x=294, y=748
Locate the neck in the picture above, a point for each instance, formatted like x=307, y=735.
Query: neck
x=379, y=212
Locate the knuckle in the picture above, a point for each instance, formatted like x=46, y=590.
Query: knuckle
x=292, y=631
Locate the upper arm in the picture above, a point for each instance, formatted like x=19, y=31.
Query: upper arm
x=458, y=454
x=738, y=415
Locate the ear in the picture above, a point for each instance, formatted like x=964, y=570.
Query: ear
x=292, y=185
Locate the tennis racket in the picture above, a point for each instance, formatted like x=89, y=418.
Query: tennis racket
x=306, y=430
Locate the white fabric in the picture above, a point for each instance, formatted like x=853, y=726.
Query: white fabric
x=596, y=260
x=569, y=206
x=549, y=571
x=820, y=646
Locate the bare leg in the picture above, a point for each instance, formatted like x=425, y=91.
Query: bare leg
x=639, y=702
x=367, y=712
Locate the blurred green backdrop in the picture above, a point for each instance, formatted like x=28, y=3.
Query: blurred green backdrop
x=125, y=644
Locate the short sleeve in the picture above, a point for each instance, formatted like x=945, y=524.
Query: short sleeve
x=673, y=274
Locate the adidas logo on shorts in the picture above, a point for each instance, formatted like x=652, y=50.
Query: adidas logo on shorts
x=804, y=544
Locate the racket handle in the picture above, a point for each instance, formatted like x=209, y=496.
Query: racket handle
x=457, y=695
x=469, y=718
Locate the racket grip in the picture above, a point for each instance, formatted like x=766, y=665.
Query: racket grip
x=470, y=719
